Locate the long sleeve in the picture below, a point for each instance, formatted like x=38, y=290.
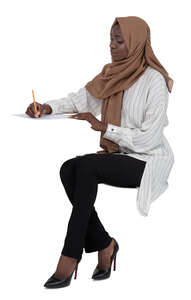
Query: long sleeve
x=149, y=135
x=81, y=101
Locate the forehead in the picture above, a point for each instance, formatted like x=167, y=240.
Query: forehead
x=116, y=30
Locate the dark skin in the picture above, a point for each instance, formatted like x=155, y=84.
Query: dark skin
x=117, y=45
x=119, y=52
x=95, y=123
x=46, y=109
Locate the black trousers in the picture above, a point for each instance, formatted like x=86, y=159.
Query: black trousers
x=80, y=177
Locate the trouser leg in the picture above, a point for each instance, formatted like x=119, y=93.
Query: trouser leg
x=116, y=170
x=96, y=238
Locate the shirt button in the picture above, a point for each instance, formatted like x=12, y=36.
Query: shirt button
x=112, y=129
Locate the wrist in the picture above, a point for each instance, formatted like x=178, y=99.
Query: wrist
x=104, y=127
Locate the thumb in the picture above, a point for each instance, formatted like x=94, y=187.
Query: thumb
x=37, y=114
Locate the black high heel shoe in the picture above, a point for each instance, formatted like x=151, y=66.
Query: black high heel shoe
x=54, y=282
x=99, y=274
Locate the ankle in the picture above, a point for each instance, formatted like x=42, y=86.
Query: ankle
x=68, y=258
x=66, y=261
x=108, y=249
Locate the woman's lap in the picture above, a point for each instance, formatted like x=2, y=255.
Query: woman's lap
x=111, y=169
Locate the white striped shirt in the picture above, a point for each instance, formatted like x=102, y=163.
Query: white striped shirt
x=143, y=118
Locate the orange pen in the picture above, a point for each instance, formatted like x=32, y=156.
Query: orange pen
x=34, y=102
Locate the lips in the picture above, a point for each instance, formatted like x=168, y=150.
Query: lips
x=113, y=53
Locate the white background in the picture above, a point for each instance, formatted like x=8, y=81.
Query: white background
x=56, y=47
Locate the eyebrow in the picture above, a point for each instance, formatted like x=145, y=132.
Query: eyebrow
x=115, y=35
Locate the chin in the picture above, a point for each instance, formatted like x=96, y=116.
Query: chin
x=119, y=59
x=114, y=59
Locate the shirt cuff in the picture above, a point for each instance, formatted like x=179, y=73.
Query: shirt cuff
x=112, y=132
x=119, y=135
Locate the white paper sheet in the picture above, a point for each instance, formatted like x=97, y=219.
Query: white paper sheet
x=46, y=117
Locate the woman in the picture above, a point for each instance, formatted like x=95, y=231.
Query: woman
x=131, y=94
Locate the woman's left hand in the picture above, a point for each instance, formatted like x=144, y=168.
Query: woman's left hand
x=96, y=124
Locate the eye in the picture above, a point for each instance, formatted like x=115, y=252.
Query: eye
x=117, y=41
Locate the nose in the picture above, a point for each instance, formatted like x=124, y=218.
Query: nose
x=112, y=46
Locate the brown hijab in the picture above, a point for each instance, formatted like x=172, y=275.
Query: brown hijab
x=118, y=76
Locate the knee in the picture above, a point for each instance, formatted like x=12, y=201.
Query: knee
x=85, y=163
x=65, y=167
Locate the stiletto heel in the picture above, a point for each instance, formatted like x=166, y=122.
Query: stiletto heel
x=114, y=264
x=54, y=282
x=99, y=274
x=75, y=274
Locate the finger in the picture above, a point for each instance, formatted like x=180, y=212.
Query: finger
x=31, y=111
x=38, y=106
x=74, y=116
x=80, y=116
x=36, y=112
x=37, y=115
x=29, y=114
x=31, y=107
x=41, y=110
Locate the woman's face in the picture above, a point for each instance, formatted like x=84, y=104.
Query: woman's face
x=118, y=47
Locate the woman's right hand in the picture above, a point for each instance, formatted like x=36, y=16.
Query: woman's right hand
x=42, y=109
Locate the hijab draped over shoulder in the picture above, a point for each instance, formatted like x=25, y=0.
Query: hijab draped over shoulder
x=115, y=77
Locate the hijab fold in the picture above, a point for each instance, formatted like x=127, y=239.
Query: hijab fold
x=115, y=77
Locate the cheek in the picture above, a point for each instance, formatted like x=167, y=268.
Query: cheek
x=124, y=50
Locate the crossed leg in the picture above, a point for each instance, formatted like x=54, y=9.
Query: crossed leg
x=96, y=238
x=80, y=177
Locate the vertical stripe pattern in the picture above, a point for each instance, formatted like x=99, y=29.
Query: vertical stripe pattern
x=143, y=118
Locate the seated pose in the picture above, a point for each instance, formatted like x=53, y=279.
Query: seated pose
x=131, y=94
